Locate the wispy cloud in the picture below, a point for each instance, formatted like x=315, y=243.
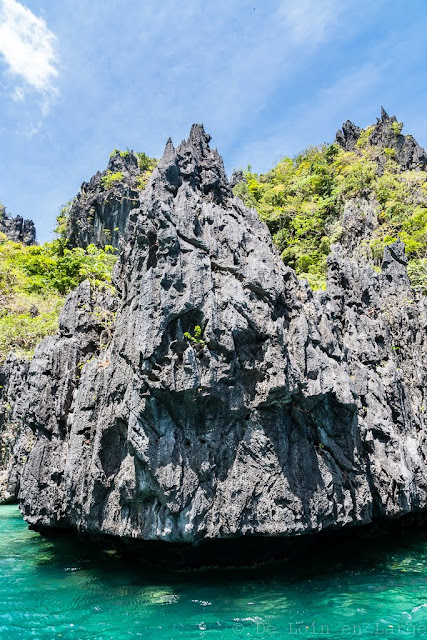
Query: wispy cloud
x=309, y=21
x=29, y=50
x=31, y=130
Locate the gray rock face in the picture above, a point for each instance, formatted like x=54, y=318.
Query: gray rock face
x=53, y=377
x=348, y=135
x=100, y=212
x=13, y=375
x=287, y=412
x=385, y=134
x=236, y=177
x=359, y=221
x=17, y=229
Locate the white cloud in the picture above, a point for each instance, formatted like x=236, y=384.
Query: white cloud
x=29, y=50
x=31, y=130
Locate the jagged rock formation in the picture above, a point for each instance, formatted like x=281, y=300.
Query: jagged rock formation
x=236, y=177
x=358, y=223
x=17, y=229
x=100, y=211
x=294, y=412
x=84, y=331
x=385, y=134
x=13, y=373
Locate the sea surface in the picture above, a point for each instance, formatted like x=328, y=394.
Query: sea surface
x=66, y=589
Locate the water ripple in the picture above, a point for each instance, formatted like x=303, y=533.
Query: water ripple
x=62, y=589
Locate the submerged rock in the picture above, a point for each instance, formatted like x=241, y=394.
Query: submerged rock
x=230, y=400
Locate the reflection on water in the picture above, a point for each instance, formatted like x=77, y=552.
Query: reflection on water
x=65, y=589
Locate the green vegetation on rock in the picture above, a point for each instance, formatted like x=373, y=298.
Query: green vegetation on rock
x=34, y=281
x=197, y=337
x=302, y=201
x=145, y=163
x=146, y=166
x=110, y=178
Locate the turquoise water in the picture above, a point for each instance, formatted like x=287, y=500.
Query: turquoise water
x=64, y=589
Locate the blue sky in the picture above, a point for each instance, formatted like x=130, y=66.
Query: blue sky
x=81, y=77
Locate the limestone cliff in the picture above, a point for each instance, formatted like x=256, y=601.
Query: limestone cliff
x=99, y=213
x=287, y=412
x=17, y=228
x=385, y=134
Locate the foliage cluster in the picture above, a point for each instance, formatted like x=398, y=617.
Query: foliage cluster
x=34, y=281
x=146, y=167
x=110, y=178
x=301, y=199
x=197, y=337
x=61, y=228
x=145, y=163
x=122, y=154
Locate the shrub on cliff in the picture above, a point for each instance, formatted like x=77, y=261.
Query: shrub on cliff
x=302, y=200
x=110, y=178
x=34, y=281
